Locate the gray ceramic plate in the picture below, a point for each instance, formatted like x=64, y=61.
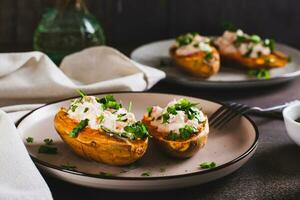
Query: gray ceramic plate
x=229, y=149
x=229, y=77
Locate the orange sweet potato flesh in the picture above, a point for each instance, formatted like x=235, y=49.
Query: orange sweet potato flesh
x=97, y=145
x=196, y=64
x=180, y=148
x=274, y=60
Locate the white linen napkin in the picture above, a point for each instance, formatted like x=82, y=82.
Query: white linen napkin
x=32, y=77
x=19, y=178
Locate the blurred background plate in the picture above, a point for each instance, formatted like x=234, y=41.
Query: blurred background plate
x=156, y=54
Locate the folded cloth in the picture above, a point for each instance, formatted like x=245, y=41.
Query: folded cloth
x=19, y=178
x=33, y=77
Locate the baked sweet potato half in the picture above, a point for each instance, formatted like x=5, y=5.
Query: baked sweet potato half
x=250, y=51
x=180, y=129
x=101, y=144
x=194, y=54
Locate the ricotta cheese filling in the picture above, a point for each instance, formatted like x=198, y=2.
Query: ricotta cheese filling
x=251, y=46
x=89, y=108
x=175, y=120
x=192, y=43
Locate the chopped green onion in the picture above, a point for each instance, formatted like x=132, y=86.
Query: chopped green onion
x=130, y=106
x=81, y=93
x=82, y=124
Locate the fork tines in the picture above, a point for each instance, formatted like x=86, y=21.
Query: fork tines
x=226, y=113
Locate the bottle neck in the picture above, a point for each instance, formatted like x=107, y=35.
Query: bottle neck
x=64, y=5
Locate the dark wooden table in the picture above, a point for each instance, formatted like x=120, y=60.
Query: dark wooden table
x=272, y=173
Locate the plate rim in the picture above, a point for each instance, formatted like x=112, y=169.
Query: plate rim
x=84, y=174
x=286, y=76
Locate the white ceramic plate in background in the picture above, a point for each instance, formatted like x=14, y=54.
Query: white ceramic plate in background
x=229, y=77
x=229, y=149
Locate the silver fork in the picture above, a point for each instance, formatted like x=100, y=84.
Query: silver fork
x=229, y=111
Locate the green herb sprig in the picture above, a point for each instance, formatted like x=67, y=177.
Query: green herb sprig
x=138, y=129
x=29, y=140
x=68, y=166
x=185, y=133
x=47, y=149
x=110, y=102
x=82, y=124
x=259, y=73
x=207, y=165
x=48, y=141
x=185, y=105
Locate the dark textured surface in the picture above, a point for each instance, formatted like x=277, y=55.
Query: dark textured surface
x=272, y=173
x=134, y=22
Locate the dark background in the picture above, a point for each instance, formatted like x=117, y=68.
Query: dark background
x=129, y=23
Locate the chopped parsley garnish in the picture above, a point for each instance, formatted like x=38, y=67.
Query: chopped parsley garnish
x=100, y=118
x=29, y=140
x=120, y=117
x=82, y=124
x=270, y=43
x=208, y=56
x=86, y=109
x=166, y=117
x=185, y=105
x=138, y=129
x=149, y=111
x=133, y=131
x=145, y=174
x=187, y=131
x=173, y=136
x=48, y=141
x=110, y=102
x=185, y=39
x=73, y=107
x=207, y=165
x=47, y=149
x=259, y=73
x=69, y=166
x=255, y=39
x=289, y=59
x=105, y=174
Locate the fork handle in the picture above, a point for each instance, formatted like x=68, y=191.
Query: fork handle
x=273, y=114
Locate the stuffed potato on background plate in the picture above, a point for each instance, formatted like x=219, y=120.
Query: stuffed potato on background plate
x=228, y=149
x=233, y=75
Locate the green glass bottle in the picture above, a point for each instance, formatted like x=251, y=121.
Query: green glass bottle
x=67, y=28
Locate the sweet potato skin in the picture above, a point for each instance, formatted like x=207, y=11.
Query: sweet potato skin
x=97, y=145
x=195, y=63
x=178, y=149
